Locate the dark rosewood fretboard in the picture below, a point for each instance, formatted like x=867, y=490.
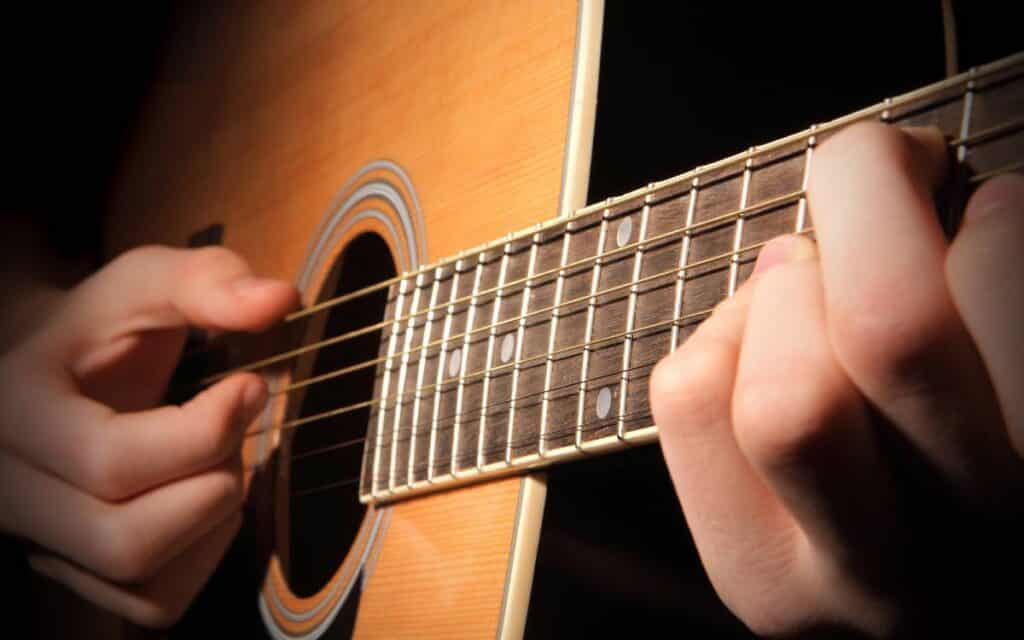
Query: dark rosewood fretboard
x=539, y=347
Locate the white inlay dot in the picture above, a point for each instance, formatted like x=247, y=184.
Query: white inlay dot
x=624, y=231
x=454, y=362
x=508, y=345
x=604, y=402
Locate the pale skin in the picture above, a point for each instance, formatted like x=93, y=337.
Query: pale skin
x=770, y=414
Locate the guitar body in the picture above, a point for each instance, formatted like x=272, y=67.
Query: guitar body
x=341, y=143
x=434, y=127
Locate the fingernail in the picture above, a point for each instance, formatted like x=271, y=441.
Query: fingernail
x=783, y=249
x=251, y=286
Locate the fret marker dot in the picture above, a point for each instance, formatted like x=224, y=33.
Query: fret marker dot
x=454, y=362
x=604, y=402
x=508, y=344
x=624, y=231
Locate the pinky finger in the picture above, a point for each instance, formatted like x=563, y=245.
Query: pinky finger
x=161, y=601
x=984, y=274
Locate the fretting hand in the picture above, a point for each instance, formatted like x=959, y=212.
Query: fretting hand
x=845, y=433
x=128, y=503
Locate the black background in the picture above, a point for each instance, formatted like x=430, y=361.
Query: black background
x=677, y=88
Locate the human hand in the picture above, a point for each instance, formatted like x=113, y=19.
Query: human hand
x=844, y=433
x=131, y=504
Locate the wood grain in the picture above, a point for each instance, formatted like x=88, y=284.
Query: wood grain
x=262, y=113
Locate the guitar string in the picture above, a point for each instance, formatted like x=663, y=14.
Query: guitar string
x=1003, y=129
x=447, y=423
x=294, y=424
x=675, y=271
x=442, y=427
x=750, y=211
x=589, y=427
x=974, y=179
x=524, y=439
x=514, y=319
x=879, y=109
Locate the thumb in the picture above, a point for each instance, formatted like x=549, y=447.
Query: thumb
x=160, y=287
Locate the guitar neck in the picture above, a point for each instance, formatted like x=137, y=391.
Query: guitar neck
x=538, y=347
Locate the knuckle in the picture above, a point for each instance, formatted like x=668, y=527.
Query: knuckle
x=880, y=333
x=212, y=260
x=777, y=423
x=693, y=382
x=121, y=551
x=217, y=435
x=103, y=471
x=134, y=259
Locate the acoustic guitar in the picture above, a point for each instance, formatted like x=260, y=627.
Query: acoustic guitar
x=420, y=170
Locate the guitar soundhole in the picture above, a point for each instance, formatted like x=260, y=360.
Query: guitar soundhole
x=326, y=455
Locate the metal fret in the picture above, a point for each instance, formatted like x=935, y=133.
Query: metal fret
x=421, y=369
x=801, y=212
x=460, y=385
x=441, y=364
x=684, y=255
x=627, y=346
x=552, y=332
x=402, y=371
x=520, y=332
x=385, y=384
x=965, y=121
x=734, y=267
x=495, y=314
x=589, y=330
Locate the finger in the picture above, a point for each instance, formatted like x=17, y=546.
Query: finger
x=802, y=423
x=984, y=273
x=160, y=287
x=892, y=321
x=125, y=542
x=161, y=601
x=742, y=533
x=114, y=456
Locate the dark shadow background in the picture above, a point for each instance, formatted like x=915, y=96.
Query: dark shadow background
x=678, y=88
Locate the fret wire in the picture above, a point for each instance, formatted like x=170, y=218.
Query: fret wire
x=385, y=381
x=552, y=334
x=495, y=314
x=960, y=142
x=771, y=203
x=420, y=372
x=919, y=94
x=441, y=362
x=402, y=372
x=734, y=261
x=519, y=361
x=627, y=345
x=588, y=331
x=775, y=202
x=520, y=333
x=801, y=211
x=525, y=440
x=684, y=255
x=590, y=426
x=463, y=362
x=965, y=122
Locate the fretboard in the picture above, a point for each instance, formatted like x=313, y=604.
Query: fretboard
x=539, y=347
